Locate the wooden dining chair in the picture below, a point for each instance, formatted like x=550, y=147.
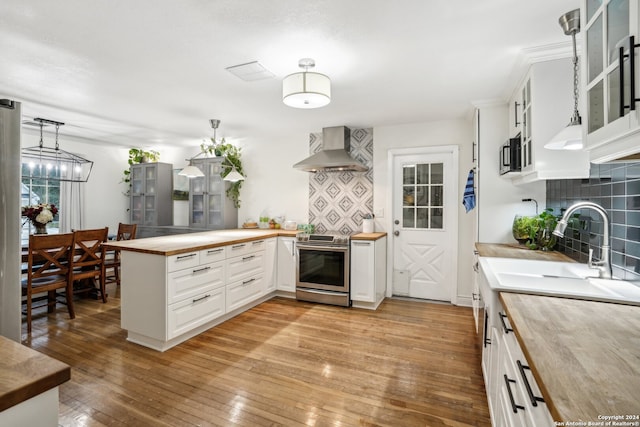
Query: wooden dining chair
x=49, y=265
x=89, y=259
x=112, y=260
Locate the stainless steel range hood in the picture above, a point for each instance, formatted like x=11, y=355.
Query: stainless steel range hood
x=334, y=155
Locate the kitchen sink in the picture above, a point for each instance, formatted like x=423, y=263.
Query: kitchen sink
x=556, y=279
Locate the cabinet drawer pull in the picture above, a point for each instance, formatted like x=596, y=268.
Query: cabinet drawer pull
x=514, y=406
x=475, y=297
x=241, y=245
x=257, y=242
x=361, y=243
x=515, y=113
x=215, y=251
x=534, y=399
x=246, y=282
x=246, y=258
x=186, y=256
x=205, y=297
x=504, y=324
x=201, y=269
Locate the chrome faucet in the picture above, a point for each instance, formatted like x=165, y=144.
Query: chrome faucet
x=604, y=264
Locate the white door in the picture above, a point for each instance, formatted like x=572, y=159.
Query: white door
x=425, y=214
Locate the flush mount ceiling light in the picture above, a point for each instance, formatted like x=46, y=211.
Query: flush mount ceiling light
x=570, y=138
x=306, y=89
x=53, y=163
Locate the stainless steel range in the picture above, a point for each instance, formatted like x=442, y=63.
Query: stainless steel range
x=322, y=273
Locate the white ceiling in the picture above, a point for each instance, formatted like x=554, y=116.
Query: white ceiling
x=152, y=72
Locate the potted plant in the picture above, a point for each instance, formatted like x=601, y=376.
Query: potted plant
x=231, y=159
x=138, y=155
x=536, y=232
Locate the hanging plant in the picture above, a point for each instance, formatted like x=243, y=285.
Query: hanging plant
x=231, y=158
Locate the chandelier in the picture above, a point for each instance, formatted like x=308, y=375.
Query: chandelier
x=53, y=163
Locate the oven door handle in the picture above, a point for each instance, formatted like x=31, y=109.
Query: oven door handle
x=323, y=248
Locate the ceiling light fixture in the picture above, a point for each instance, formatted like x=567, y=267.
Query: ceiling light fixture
x=570, y=138
x=53, y=163
x=192, y=171
x=306, y=89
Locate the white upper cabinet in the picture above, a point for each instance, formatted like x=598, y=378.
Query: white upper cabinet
x=610, y=29
x=540, y=107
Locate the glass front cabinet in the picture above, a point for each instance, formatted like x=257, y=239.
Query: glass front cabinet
x=151, y=187
x=611, y=76
x=209, y=206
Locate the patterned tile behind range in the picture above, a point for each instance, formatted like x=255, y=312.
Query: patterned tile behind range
x=615, y=187
x=339, y=200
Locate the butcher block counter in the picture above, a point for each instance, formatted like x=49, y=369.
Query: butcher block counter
x=368, y=236
x=504, y=250
x=29, y=383
x=585, y=356
x=183, y=243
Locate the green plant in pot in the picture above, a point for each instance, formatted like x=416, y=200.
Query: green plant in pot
x=536, y=232
x=136, y=156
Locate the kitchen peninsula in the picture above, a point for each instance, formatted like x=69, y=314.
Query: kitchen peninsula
x=175, y=287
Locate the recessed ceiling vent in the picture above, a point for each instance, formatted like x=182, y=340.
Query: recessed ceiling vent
x=250, y=72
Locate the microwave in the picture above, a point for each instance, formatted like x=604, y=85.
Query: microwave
x=510, y=156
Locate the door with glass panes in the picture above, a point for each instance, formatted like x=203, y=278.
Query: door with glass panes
x=425, y=224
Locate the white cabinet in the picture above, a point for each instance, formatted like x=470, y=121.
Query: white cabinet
x=270, y=264
x=368, y=272
x=286, y=275
x=168, y=299
x=512, y=393
x=613, y=120
x=545, y=98
x=518, y=398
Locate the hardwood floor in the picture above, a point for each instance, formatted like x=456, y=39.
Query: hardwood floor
x=282, y=363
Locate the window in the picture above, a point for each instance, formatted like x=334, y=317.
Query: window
x=39, y=190
x=423, y=196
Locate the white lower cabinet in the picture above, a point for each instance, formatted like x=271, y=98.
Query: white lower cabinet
x=244, y=291
x=187, y=314
x=270, y=265
x=517, y=398
x=368, y=272
x=169, y=299
x=286, y=276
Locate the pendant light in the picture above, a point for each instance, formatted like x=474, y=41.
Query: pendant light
x=53, y=163
x=306, y=89
x=570, y=138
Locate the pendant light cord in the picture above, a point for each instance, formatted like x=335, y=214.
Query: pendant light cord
x=576, y=119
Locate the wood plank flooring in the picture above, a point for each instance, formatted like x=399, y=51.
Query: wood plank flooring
x=282, y=363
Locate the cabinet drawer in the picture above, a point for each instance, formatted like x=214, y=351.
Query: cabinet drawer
x=180, y=261
x=193, y=312
x=188, y=282
x=243, y=292
x=212, y=255
x=245, y=266
x=245, y=248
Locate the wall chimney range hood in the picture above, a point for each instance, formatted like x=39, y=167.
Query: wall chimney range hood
x=334, y=155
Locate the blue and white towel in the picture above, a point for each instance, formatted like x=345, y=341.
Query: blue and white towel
x=469, y=198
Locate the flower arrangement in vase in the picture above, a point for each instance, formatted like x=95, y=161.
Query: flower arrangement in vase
x=40, y=215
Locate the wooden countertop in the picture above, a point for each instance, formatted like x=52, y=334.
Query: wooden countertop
x=504, y=250
x=25, y=373
x=584, y=355
x=182, y=243
x=368, y=236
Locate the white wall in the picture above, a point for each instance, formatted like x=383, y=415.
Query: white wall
x=498, y=199
x=450, y=132
x=272, y=184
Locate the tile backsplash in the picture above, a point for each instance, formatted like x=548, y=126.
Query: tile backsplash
x=615, y=187
x=339, y=200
